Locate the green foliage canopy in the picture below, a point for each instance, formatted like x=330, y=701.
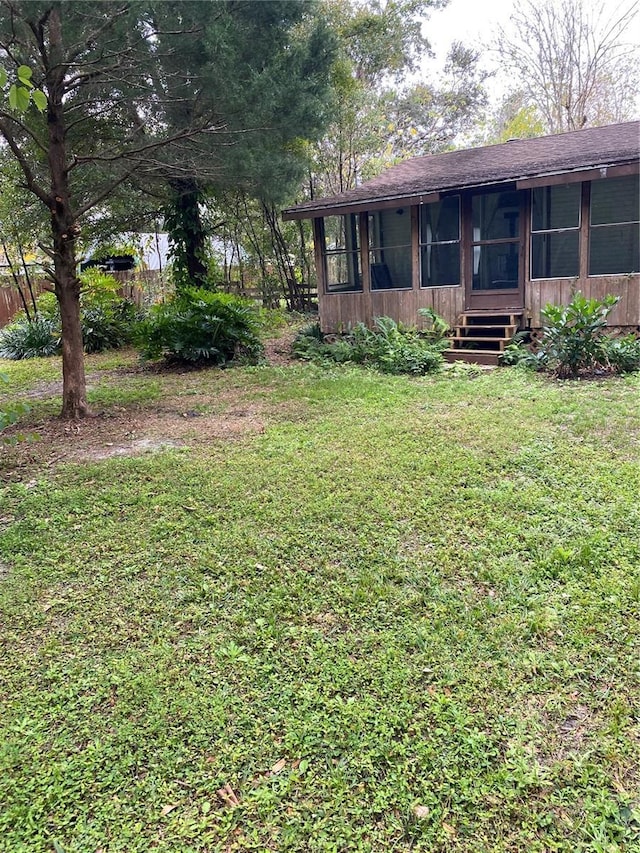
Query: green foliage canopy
x=143, y=95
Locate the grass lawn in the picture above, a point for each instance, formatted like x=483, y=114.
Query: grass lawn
x=332, y=611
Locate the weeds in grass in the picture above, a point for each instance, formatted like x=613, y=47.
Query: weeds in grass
x=404, y=617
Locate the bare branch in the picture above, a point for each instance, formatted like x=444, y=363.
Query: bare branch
x=105, y=193
x=570, y=60
x=14, y=119
x=94, y=36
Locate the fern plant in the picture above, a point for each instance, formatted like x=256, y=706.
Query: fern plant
x=436, y=328
x=389, y=347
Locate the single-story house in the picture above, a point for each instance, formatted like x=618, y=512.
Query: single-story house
x=486, y=237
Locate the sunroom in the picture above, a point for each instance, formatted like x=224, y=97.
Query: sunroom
x=485, y=237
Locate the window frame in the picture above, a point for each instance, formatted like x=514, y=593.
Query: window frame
x=424, y=245
x=577, y=229
x=347, y=253
x=604, y=225
x=381, y=248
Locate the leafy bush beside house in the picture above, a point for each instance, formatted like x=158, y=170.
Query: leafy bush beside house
x=573, y=336
x=575, y=341
x=623, y=354
x=201, y=326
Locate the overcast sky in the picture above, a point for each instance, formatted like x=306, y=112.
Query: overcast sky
x=475, y=24
x=468, y=21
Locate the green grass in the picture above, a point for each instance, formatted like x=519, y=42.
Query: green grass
x=25, y=375
x=421, y=595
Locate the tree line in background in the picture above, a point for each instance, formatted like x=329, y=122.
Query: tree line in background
x=209, y=117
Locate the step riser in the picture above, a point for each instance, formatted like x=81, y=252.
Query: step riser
x=473, y=345
x=497, y=319
x=471, y=356
x=493, y=320
x=487, y=331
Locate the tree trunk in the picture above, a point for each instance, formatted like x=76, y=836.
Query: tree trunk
x=16, y=280
x=188, y=234
x=64, y=232
x=286, y=270
x=74, y=391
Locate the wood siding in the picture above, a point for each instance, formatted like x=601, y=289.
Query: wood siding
x=339, y=311
x=558, y=291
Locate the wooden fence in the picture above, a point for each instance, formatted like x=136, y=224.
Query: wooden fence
x=11, y=301
x=146, y=287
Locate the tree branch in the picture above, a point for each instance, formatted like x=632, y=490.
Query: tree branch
x=15, y=120
x=105, y=193
x=32, y=183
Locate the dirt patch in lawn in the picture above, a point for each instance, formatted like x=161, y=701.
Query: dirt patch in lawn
x=53, y=388
x=178, y=421
x=277, y=350
x=128, y=432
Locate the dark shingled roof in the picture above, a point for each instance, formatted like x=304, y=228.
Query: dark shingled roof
x=592, y=148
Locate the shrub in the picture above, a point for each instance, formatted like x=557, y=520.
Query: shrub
x=47, y=306
x=574, y=335
x=575, y=340
x=98, y=288
x=390, y=347
x=30, y=339
x=108, y=326
x=623, y=354
x=201, y=326
x=108, y=320
x=309, y=344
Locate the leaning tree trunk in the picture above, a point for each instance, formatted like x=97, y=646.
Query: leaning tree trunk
x=16, y=280
x=64, y=232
